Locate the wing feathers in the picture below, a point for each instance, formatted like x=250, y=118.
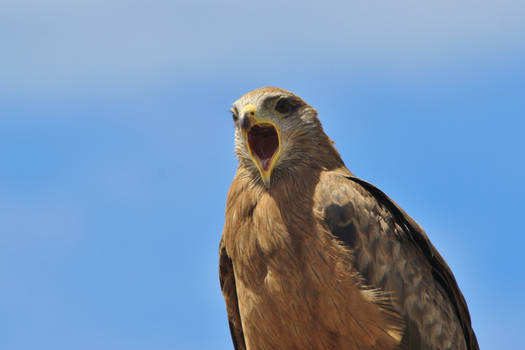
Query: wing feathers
x=227, y=281
x=440, y=270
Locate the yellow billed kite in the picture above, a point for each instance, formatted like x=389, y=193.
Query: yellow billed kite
x=313, y=257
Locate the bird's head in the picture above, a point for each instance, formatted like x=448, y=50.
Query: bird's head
x=276, y=132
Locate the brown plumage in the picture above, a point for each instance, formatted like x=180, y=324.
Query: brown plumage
x=314, y=258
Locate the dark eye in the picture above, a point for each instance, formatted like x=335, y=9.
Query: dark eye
x=234, y=114
x=285, y=106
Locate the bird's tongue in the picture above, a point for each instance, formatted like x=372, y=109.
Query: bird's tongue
x=263, y=141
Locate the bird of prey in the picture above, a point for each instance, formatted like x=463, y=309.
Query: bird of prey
x=312, y=257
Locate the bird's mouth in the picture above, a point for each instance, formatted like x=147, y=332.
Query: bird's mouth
x=264, y=143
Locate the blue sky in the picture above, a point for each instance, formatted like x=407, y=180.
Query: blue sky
x=116, y=150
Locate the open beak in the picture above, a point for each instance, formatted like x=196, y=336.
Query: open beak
x=264, y=141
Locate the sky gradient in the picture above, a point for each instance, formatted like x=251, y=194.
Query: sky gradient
x=116, y=150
